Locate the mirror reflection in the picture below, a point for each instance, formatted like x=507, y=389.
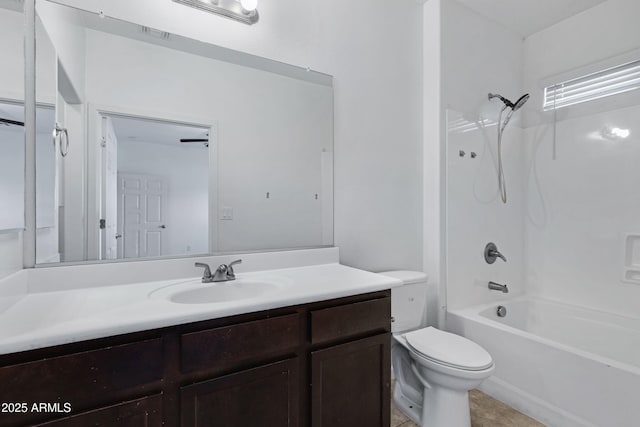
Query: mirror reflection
x=177, y=147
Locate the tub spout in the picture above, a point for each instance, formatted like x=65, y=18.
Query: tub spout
x=498, y=287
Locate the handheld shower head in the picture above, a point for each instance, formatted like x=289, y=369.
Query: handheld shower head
x=502, y=124
x=513, y=105
x=520, y=102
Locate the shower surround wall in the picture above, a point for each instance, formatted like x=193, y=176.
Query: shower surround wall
x=582, y=205
x=565, y=229
x=486, y=57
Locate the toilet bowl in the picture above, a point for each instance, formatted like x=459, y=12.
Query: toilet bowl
x=434, y=369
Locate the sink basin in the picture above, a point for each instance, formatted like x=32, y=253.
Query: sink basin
x=196, y=292
x=224, y=291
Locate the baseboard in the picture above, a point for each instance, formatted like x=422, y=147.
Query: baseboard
x=530, y=405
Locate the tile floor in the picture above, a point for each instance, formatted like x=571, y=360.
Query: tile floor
x=485, y=412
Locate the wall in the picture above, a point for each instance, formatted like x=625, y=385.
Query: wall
x=378, y=104
x=185, y=170
x=432, y=158
x=582, y=205
x=475, y=214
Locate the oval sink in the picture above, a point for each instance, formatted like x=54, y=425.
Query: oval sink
x=220, y=292
x=223, y=292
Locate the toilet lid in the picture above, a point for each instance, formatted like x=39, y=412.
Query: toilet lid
x=449, y=349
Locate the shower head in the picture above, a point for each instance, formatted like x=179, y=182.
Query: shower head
x=513, y=105
x=520, y=102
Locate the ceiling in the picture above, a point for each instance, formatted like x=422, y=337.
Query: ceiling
x=527, y=17
x=132, y=129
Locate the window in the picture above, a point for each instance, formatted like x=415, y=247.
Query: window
x=611, y=81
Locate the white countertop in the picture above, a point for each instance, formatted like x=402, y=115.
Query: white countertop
x=33, y=320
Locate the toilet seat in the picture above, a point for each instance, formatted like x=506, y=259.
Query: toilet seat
x=448, y=349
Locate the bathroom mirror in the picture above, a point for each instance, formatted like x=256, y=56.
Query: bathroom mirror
x=11, y=114
x=177, y=147
x=12, y=130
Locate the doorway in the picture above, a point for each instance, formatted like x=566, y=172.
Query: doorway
x=154, y=187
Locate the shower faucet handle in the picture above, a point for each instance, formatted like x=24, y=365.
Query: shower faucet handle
x=491, y=252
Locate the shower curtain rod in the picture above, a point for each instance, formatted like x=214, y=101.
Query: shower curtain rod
x=11, y=122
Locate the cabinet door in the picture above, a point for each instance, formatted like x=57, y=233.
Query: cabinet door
x=266, y=396
x=145, y=412
x=350, y=384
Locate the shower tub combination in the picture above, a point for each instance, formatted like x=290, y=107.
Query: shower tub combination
x=563, y=365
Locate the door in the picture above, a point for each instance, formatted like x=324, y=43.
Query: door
x=109, y=233
x=266, y=396
x=350, y=384
x=142, y=199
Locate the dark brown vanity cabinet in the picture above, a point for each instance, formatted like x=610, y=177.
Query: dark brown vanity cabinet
x=350, y=375
x=318, y=364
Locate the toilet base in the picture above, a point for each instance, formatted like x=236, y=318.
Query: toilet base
x=443, y=407
x=411, y=409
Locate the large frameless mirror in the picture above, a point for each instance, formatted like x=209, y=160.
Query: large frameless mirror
x=166, y=146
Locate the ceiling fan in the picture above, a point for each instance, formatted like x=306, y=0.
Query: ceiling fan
x=205, y=140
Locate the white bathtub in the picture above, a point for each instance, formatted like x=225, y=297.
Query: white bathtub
x=561, y=364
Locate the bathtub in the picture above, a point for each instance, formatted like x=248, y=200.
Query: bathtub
x=561, y=364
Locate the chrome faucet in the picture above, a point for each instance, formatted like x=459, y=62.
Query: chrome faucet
x=223, y=273
x=491, y=252
x=498, y=287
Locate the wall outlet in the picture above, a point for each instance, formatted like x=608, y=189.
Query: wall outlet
x=226, y=213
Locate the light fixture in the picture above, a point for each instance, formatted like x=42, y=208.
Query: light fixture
x=241, y=10
x=249, y=5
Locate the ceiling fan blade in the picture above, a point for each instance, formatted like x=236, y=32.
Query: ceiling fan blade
x=194, y=140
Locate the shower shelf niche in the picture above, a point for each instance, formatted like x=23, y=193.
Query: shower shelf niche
x=631, y=270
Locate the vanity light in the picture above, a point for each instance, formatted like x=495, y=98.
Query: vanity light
x=249, y=5
x=241, y=10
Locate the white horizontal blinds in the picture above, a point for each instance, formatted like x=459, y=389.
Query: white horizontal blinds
x=612, y=81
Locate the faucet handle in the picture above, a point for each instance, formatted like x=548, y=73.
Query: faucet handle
x=491, y=253
x=206, y=277
x=230, y=273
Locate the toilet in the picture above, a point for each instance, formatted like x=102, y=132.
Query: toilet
x=434, y=369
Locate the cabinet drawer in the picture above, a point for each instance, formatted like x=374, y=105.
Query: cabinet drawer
x=350, y=320
x=145, y=412
x=227, y=347
x=82, y=380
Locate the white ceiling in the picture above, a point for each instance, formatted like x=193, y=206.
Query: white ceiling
x=130, y=129
x=527, y=17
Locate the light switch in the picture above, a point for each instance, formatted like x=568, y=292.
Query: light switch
x=227, y=213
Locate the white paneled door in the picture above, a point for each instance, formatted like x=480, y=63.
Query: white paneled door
x=142, y=199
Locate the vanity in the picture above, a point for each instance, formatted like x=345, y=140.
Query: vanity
x=323, y=360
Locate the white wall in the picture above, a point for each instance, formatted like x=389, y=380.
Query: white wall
x=185, y=170
x=582, y=204
x=377, y=64
x=485, y=57
x=434, y=218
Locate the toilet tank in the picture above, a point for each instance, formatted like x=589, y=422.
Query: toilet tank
x=409, y=301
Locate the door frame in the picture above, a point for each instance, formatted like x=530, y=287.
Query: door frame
x=93, y=195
